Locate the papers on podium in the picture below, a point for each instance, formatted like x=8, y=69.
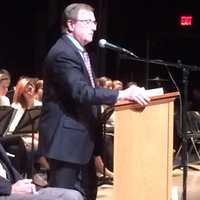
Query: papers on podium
x=155, y=92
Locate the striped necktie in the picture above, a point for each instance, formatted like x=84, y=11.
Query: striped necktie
x=88, y=67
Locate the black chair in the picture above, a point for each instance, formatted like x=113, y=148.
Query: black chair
x=194, y=124
x=192, y=134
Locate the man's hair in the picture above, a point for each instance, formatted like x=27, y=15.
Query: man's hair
x=71, y=12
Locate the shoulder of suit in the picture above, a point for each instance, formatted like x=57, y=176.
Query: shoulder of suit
x=63, y=45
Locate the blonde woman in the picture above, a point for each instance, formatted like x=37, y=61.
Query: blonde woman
x=4, y=85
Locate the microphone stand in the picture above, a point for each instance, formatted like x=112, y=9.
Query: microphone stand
x=184, y=155
x=185, y=73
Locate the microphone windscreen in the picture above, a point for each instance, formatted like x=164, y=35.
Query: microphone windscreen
x=102, y=43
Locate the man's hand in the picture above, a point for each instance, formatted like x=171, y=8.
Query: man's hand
x=24, y=186
x=134, y=93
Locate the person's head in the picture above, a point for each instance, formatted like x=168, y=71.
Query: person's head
x=117, y=85
x=130, y=83
x=108, y=84
x=39, y=90
x=79, y=21
x=24, y=92
x=4, y=82
x=105, y=82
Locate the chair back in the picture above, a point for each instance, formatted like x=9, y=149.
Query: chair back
x=193, y=123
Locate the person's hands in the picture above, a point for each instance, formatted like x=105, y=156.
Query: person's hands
x=24, y=186
x=134, y=93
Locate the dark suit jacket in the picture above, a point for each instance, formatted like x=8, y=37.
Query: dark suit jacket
x=69, y=126
x=5, y=184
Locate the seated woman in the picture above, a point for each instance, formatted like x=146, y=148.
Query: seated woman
x=13, y=145
x=24, y=99
x=4, y=84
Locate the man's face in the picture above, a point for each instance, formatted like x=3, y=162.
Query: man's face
x=83, y=27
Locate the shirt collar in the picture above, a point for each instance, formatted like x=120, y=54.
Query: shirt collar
x=76, y=43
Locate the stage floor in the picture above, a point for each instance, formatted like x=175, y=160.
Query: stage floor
x=193, y=185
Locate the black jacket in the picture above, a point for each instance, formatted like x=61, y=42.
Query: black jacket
x=70, y=126
x=5, y=184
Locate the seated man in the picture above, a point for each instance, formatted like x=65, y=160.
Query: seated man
x=12, y=187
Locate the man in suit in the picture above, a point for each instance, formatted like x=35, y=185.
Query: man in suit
x=70, y=130
x=13, y=187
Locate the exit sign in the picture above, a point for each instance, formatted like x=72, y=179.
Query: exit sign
x=186, y=20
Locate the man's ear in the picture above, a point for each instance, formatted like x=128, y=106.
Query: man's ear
x=70, y=25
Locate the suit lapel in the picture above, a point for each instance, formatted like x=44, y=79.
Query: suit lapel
x=68, y=42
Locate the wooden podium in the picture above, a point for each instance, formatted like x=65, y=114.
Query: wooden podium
x=143, y=149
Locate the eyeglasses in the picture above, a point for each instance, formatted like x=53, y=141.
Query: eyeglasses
x=87, y=22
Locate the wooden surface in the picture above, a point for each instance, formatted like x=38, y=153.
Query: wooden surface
x=105, y=192
x=143, y=150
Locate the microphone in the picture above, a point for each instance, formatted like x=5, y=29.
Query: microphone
x=104, y=44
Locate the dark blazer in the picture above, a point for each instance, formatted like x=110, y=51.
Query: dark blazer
x=69, y=126
x=5, y=184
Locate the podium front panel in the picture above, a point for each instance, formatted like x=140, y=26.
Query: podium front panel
x=143, y=148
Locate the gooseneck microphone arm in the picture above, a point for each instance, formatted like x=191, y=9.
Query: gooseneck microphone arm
x=104, y=44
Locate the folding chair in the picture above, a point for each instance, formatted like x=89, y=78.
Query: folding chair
x=192, y=133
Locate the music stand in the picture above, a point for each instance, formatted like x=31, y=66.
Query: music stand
x=29, y=124
x=29, y=121
x=7, y=113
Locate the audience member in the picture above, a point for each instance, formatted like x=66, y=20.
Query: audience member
x=104, y=82
x=39, y=90
x=5, y=80
x=101, y=168
x=23, y=99
x=130, y=83
x=13, y=145
x=13, y=187
x=117, y=85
